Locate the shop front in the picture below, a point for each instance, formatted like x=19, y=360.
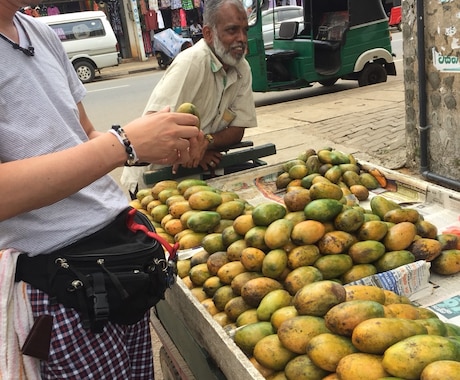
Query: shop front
x=134, y=22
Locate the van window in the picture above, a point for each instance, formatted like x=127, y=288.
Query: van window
x=78, y=30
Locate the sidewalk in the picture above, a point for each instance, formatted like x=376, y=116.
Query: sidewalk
x=129, y=66
x=366, y=121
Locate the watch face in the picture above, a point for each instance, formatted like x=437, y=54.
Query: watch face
x=209, y=138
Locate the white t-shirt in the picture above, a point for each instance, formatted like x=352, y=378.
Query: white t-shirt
x=39, y=115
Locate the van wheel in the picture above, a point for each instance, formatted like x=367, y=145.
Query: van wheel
x=85, y=71
x=328, y=82
x=371, y=74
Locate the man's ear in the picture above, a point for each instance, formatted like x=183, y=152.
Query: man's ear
x=207, y=34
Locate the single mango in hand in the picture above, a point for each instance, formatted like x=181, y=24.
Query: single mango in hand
x=190, y=108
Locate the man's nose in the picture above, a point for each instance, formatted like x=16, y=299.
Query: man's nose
x=242, y=35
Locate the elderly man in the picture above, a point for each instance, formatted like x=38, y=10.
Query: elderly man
x=216, y=78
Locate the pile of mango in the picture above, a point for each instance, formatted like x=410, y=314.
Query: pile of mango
x=328, y=331
x=259, y=264
x=190, y=212
x=328, y=166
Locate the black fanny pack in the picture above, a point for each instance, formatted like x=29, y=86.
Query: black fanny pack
x=116, y=274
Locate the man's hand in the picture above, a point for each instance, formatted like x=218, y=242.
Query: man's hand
x=198, y=145
x=210, y=160
x=164, y=137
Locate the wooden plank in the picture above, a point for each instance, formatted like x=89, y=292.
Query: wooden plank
x=229, y=159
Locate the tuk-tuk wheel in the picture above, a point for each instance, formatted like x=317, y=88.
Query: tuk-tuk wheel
x=371, y=74
x=328, y=82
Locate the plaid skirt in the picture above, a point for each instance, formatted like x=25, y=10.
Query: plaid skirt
x=119, y=352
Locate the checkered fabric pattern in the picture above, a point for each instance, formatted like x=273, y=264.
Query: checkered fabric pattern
x=119, y=352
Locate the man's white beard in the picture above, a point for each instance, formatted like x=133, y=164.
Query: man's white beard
x=224, y=55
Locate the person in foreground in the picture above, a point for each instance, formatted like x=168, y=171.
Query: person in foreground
x=56, y=190
x=214, y=76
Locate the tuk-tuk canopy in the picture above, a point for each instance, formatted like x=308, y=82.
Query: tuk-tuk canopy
x=359, y=11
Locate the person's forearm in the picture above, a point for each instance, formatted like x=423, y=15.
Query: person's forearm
x=40, y=181
x=163, y=138
x=226, y=138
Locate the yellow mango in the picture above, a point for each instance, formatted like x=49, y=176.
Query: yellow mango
x=317, y=298
x=441, y=370
x=269, y=352
x=302, y=367
x=400, y=236
x=375, y=335
x=295, y=333
x=327, y=349
x=278, y=233
x=361, y=366
x=410, y=356
x=272, y=301
x=365, y=293
x=204, y=200
x=274, y=263
x=255, y=289
x=344, y=317
x=234, y=307
x=301, y=276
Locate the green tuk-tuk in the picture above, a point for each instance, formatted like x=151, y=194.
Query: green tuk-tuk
x=338, y=39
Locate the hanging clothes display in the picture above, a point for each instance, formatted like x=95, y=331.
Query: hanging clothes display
x=115, y=17
x=53, y=10
x=151, y=21
x=176, y=4
x=183, y=18
x=175, y=18
x=161, y=23
x=147, y=42
x=165, y=8
x=187, y=4
x=143, y=7
x=153, y=5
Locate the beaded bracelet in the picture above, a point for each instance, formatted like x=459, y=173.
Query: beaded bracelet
x=120, y=134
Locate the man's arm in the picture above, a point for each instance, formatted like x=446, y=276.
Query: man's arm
x=226, y=138
x=220, y=141
x=55, y=176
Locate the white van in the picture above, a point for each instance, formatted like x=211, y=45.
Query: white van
x=88, y=39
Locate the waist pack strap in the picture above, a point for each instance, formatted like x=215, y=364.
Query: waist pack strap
x=100, y=299
x=134, y=227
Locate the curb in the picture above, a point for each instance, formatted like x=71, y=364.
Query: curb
x=141, y=70
x=130, y=66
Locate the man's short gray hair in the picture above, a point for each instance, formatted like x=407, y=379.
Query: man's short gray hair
x=212, y=7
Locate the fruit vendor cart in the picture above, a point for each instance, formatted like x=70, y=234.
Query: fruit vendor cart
x=196, y=346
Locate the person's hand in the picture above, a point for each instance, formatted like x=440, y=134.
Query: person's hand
x=163, y=137
x=197, y=149
x=210, y=160
x=198, y=146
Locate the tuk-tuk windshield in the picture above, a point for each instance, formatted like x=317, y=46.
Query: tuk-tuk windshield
x=252, y=11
